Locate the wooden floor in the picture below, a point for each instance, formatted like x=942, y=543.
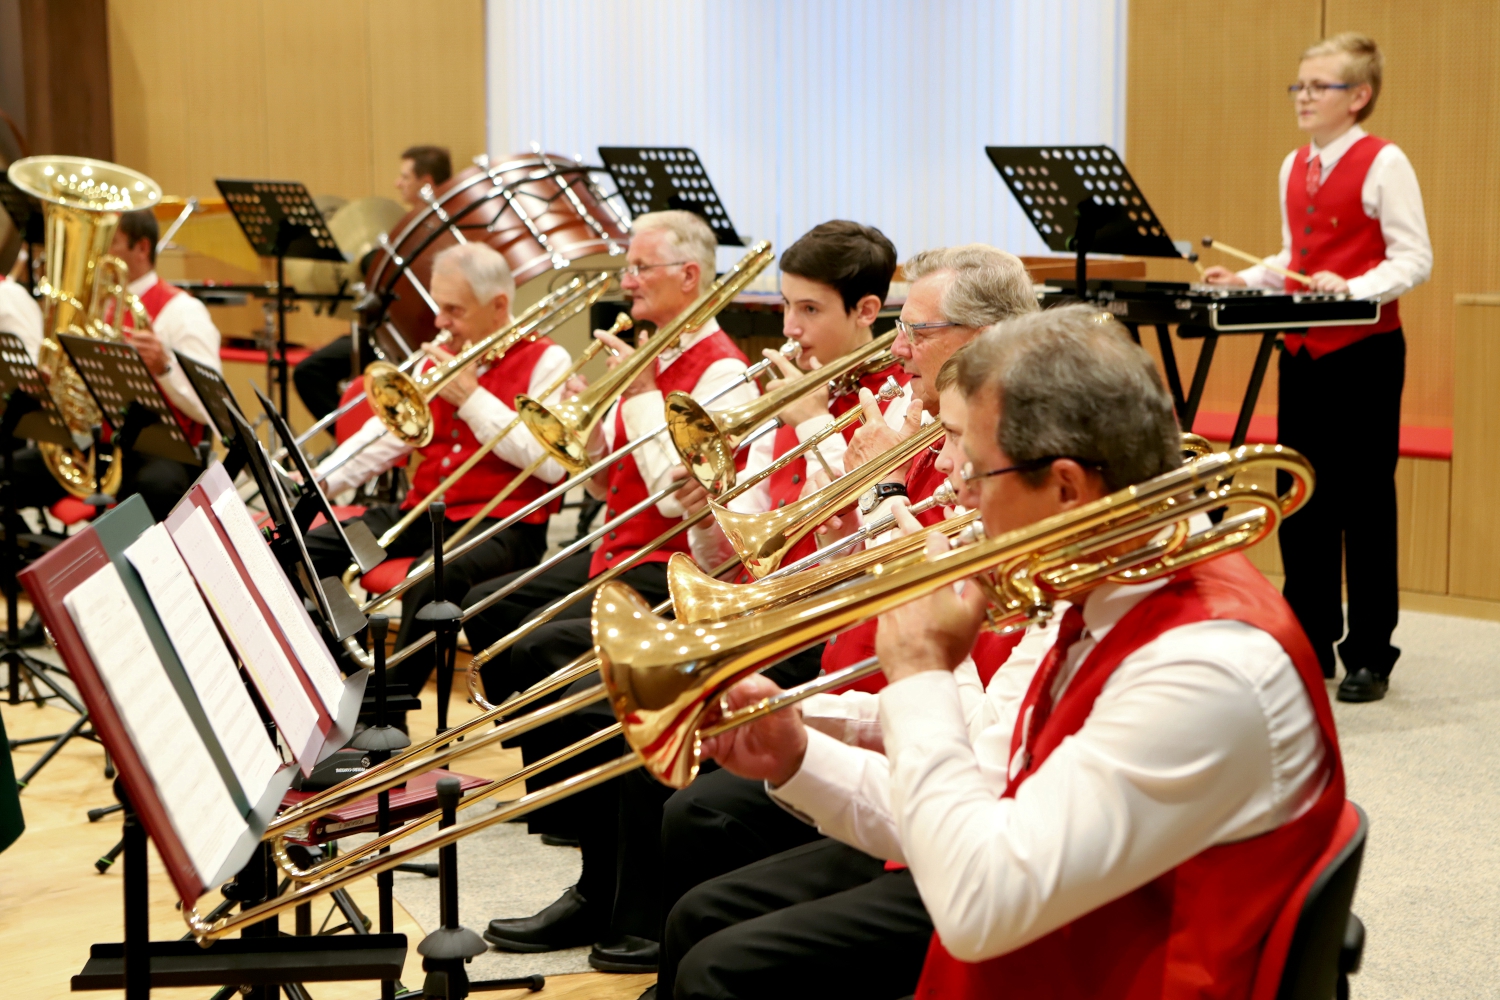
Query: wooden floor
x=53, y=904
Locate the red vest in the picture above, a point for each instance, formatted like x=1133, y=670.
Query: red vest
x=1331, y=232
x=626, y=485
x=1197, y=931
x=855, y=644
x=155, y=299
x=786, y=484
x=453, y=441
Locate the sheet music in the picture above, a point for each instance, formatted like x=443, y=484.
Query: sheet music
x=286, y=607
x=235, y=607
x=185, y=776
x=199, y=646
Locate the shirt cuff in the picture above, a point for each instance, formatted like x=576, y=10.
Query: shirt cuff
x=484, y=412
x=921, y=709
x=1365, y=287
x=829, y=775
x=642, y=413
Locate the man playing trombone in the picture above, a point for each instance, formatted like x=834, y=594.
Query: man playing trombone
x=1077, y=834
x=474, y=290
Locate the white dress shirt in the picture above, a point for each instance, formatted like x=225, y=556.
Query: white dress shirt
x=1202, y=736
x=20, y=315
x=1390, y=194
x=646, y=412
x=483, y=411
x=184, y=327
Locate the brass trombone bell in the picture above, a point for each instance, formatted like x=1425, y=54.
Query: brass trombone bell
x=564, y=429
x=665, y=677
x=404, y=403
x=707, y=440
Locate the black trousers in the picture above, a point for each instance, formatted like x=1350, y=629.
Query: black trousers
x=1343, y=411
x=618, y=824
x=161, y=482
x=818, y=920
x=318, y=375
x=516, y=547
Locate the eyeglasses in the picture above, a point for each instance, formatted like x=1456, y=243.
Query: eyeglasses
x=1315, y=90
x=912, y=331
x=968, y=474
x=634, y=270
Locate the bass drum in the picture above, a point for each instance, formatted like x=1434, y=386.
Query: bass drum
x=540, y=211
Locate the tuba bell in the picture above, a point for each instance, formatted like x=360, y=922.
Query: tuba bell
x=82, y=200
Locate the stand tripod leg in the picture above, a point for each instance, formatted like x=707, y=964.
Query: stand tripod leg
x=51, y=751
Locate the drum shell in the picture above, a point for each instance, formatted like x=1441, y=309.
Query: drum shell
x=466, y=198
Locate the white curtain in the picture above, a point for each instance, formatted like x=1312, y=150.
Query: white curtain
x=808, y=110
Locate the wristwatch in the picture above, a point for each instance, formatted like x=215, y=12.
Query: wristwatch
x=870, y=498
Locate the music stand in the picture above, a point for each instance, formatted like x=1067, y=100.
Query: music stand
x=127, y=394
x=26, y=212
x=364, y=550
x=280, y=220
x=657, y=178
x=28, y=412
x=220, y=402
x=1081, y=200
x=337, y=609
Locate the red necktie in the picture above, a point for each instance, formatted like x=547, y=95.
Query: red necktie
x=1314, y=175
x=1069, y=631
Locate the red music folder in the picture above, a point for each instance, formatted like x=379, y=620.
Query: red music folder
x=142, y=704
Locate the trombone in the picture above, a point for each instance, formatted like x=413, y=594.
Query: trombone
x=664, y=679
x=587, y=409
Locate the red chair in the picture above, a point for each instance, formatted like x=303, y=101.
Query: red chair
x=386, y=575
x=1317, y=942
x=70, y=511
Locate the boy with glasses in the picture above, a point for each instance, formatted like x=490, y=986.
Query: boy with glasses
x=1352, y=221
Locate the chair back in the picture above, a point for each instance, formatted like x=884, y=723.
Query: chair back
x=1307, y=940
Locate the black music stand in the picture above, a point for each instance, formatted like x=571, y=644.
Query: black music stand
x=280, y=220
x=337, y=610
x=220, y=402
x=656, y=178
x=29, y=412
x=1082, y=200
x=364, y=550
x=26, y=212
x=127, y=394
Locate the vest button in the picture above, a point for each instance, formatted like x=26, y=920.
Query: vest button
x=1304, y=251
x=1309, y=210
x=609, y=512
x=608, y=556
x=796, y=479
x=614, y=489
x=457, y=448
x=455, y=433
x=611, y=536
x=446, y=462
x=619, y=466
x=1307, y=230
x=781, y=503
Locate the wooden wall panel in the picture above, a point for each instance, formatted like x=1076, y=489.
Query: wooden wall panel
x=328, y=93
x=1441, y=104
x=1474, y=544
x=1208, y=124
x=426, y=66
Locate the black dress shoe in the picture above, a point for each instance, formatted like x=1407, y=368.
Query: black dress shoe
x=1362, y=685
x=626, y=953
x=558, y=840
x=30, y=635
x=650, y=993
x=566, y=923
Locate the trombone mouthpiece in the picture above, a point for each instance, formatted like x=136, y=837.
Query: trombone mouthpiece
x=1207, y=241
x=890, y=390
x=791, y=350
x=945, y=495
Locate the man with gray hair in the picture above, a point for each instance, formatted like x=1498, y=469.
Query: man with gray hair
x=474, y=291
x=1166, y=746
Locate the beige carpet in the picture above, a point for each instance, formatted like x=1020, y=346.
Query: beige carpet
x=1425, y=765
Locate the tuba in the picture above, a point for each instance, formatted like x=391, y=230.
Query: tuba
x=82, y=200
